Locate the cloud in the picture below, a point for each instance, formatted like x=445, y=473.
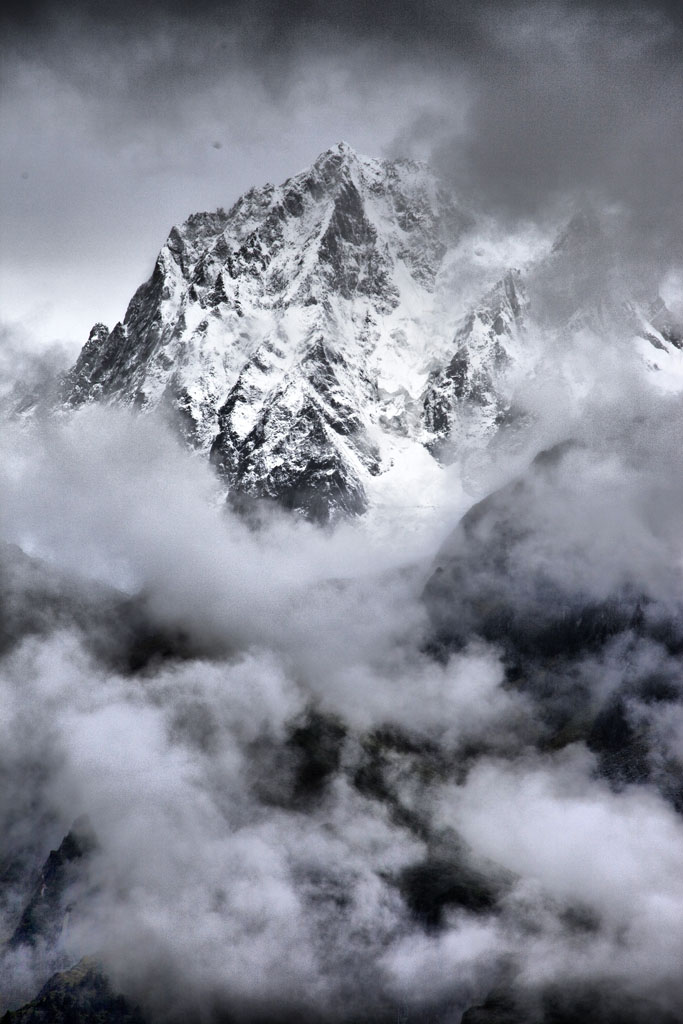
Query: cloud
x=619, y=854
x=288, y=776
x=572, y=119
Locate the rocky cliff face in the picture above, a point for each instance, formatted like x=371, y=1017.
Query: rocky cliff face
x=469, y=391
x=278, y=332
x=305, y=338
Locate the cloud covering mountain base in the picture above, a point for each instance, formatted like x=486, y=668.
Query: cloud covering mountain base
x=421, y=765
x=318, y=789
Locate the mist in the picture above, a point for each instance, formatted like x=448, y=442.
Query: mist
x=287, y=765
x=386, y=769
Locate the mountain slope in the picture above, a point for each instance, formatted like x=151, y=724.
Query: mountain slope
x=308, y=338
x=278, y=332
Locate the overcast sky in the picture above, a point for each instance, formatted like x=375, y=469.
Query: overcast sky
x=119, y=120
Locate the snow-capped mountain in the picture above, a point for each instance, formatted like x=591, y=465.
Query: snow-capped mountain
x=294, y=333
x=307, y=339
x=468, y=391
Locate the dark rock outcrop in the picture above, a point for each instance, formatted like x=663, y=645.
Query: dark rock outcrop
x=81, y=995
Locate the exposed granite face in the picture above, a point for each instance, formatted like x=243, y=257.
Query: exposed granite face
x=486, y=344
x=297, y=450
x=80, y=995
x=44, y=915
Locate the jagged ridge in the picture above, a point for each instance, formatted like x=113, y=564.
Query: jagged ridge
x=302, y=339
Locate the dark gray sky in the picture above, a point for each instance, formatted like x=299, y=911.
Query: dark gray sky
x=120, y=119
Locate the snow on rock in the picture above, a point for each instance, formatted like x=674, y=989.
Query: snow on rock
x=308, y=340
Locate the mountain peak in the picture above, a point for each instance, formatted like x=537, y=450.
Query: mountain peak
x=288, y=333
x=341, y=151
x=339, y=162
x=342, y=159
